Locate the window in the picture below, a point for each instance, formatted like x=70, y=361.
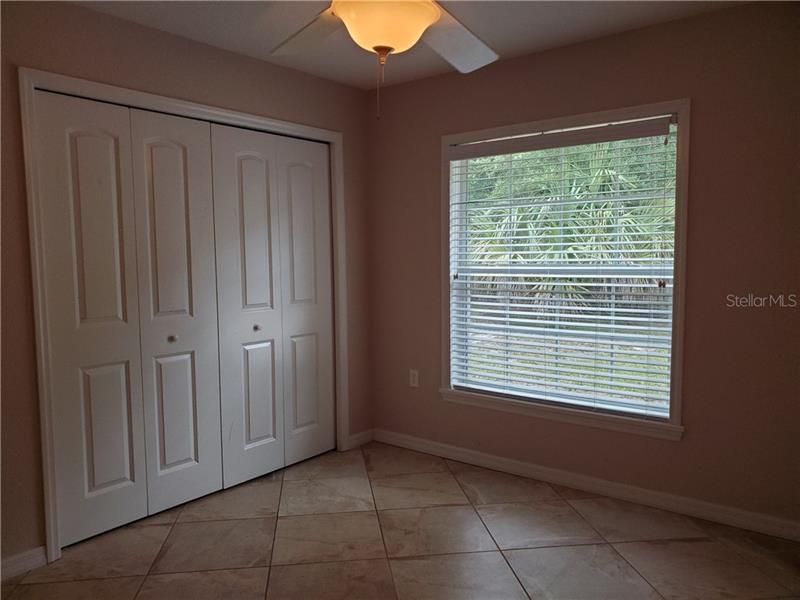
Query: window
x=562, y=267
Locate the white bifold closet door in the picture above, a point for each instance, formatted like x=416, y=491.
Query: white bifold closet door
x=178, y=303
x=304, y=200
x=272, y=218
x=187, y=306
x=88, y=233
x=251, y=342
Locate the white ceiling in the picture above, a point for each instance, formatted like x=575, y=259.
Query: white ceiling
x=510, y=28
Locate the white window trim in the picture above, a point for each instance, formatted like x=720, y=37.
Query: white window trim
x=671, y=429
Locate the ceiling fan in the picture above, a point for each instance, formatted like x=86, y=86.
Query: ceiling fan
x=394, y=26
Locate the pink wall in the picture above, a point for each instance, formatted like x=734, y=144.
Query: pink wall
x=75, y=41
x=741, y=69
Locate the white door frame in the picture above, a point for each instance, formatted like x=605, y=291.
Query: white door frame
x=31, y=80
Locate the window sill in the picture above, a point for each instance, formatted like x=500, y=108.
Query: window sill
x=657, y=429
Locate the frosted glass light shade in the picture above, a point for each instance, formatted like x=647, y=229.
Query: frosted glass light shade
x=395, y=24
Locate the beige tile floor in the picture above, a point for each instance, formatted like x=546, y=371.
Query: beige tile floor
x=384, y=523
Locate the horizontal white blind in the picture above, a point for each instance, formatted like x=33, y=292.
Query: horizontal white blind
x=561, y=273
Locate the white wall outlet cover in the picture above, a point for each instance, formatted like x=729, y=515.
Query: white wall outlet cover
x=413, y=378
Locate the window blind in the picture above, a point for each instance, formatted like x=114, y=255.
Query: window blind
x=561, y=268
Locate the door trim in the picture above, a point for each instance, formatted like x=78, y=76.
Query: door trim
x=31, y=80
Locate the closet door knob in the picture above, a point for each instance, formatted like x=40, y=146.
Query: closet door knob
x=172, y=338
x=256, y=327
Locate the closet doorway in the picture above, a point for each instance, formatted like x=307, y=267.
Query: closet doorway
x=188, y=262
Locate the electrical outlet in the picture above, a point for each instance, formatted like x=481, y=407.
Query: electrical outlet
x=413, y=378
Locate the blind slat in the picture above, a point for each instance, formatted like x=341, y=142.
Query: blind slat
x=555, y=370
x=558, y=139
x=587, y=359
x=598, y=403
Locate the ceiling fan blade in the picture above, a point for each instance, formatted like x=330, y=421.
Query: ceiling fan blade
x=458, y=45
x=310, y=36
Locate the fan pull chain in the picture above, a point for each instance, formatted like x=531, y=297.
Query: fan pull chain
x=378, y=91
x=383, y=53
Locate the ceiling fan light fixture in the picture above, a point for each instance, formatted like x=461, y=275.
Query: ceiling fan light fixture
x=384, y=26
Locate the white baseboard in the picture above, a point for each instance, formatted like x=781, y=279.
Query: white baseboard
x=23, y=562
x=681, y=504
x=357, y=439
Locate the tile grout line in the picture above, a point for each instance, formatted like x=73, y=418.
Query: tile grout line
x=480, y=518
x=448, y=553
x=380, y=526
x=606, y=542
x=80, y=580
x=491, y=535
x=581, y=517
x=160, y=550
x=611, y=545
x=725, y=541
x=645, y=579
x=226, y=520
x=123, y=576
x=177, y=521
x=274, y=535
x=205, y=570
x=577, y=513
x=717, y=540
